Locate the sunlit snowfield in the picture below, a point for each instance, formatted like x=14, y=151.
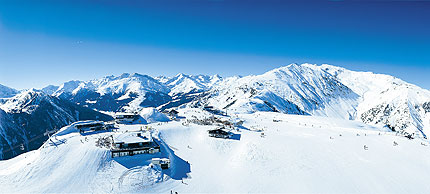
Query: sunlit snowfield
x=272, y=152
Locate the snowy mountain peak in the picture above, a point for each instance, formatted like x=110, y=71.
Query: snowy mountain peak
x=124, y=75
x=67, y=88
x=162, y=79
x=6, y=92
x=111, y=93
x=140, y=76
x=182, y=83
x=294, y=89
x=386, y=100
x=180, y=75
x=50, y=89
x=320, y=90
x=26, y=101
x=215, y=77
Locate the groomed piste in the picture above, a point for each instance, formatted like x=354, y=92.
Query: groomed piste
x=269, y=152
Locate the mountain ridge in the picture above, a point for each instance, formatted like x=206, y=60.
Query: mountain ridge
x=321, y=90
x=27, y=117
x=306, y=89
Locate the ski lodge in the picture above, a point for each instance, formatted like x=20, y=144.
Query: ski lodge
x=125, y=117
x=219, y=133
x=173, y=113
x=132, y=143
x=90, y=126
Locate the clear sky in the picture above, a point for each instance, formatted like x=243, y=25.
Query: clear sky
x=50, y=42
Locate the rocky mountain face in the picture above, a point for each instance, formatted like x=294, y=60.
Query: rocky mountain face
x=6, y=92
x=186, y=88
x=12, y=136
x=386, y=100
x=50, y=89
x=323, y=90
x=26, y=117
x=327, y=91
x=183, y=84
x=292, y=89
x=130, y=92
x=306, y=89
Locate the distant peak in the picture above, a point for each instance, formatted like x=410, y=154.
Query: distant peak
x=179, y=75
x=3, y=86
x=137, y=75
x=124, y=75
x=292, y=65
x=216, y=76
x=33, y=91
x=73, y=82
x=6, y=92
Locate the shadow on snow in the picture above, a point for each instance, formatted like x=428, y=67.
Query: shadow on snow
x=179, y=168
x=235, y=136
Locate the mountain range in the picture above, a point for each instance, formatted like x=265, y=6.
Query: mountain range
x=27, y=119
x=306, y=89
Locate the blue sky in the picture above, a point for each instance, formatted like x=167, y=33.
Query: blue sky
x=49, y=42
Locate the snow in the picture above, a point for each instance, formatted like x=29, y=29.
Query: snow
x=314, y=91
x=26, y=101
x=50, y=89
x=152, y=115
x=6, y=92
x=182, y=83
x=131, y=88
x=307, y=89
x=402, y=103
x=67, y=87
x=77, y=163
x=328, y=91
x=297, y=154
x=129, y=83
x=129, y=138
x=334, y=138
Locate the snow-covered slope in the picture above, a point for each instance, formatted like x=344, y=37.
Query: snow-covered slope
x=152, y=115
x=11, y=136
x=131, y=92
x=386, y=100
x=291, y=89
x=162, y=79
x=294, y=89
x=186, y=88
x=296, y=154
x=66, y=88
x=28, y=115
x=181, y=83
x=6, y=92
x=26, y=101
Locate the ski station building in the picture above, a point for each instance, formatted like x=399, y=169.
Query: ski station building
x=86, y=126
x=173, y=113
x=219, y=133
x=125, y=117
x=132, y=143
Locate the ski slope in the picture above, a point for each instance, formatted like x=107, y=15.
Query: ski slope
x=296, y=153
